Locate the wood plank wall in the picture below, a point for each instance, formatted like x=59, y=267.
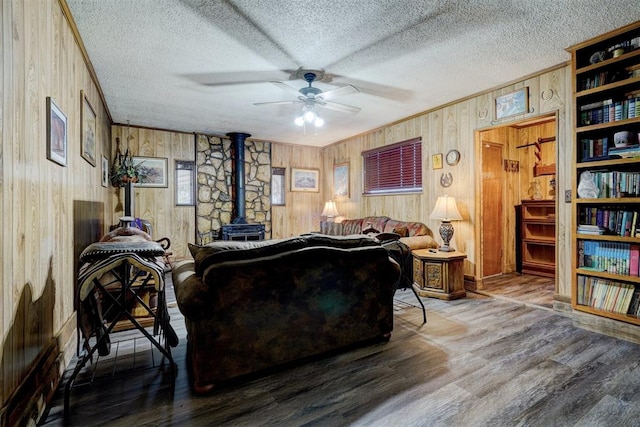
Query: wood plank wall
x=157, y=205
x=458, y=126
x=40, y=58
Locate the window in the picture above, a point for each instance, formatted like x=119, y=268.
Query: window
x=277, y=186
x=394, y=168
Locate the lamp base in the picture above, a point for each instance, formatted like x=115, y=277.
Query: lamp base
x=446, y=232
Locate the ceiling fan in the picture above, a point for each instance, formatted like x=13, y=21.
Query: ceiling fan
x=311, y=97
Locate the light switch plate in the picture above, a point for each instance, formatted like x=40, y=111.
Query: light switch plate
x=567, y=196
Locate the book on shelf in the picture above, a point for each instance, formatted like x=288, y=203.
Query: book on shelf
x=596, y=220
x=610, y=257
x=608, y=110
x=608, y=295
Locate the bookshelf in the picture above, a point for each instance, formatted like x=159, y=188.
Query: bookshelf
x=539, y=237
x=606, y=178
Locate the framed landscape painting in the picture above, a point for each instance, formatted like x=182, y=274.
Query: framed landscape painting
x=341, y=180
x=56, y=134
x=87, y=131
x=513, y=103
x=153, y=171
x=304, y=179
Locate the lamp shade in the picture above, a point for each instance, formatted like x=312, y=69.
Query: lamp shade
x=330, y=210
x=446, y=209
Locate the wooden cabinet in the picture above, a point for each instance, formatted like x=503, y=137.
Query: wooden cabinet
x=538, y=228
x=439, y=274
x=606, y=180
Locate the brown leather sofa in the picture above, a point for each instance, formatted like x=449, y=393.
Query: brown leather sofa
x=415, y=235
x=250, y=306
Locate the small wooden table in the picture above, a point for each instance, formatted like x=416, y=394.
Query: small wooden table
x=439, y=274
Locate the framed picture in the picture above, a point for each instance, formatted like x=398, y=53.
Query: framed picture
x=341, y=180
x=512, y=103
x=87, y=131
x=304, y=179
x=105, y=172
x=185, y=183
x=277, y=187
x=436, y=159
x=56, y=133
x=153, y=171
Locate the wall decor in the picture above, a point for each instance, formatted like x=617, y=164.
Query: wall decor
x=56, y=133
x=105, y=172
x=341, y=180
x=436, y=159
x=278, y=190
x=304, y=179
x=153, y=171
x=446, y=179
x=185, y=182
x=453, y=157
x=87, y=130
x=512, y=103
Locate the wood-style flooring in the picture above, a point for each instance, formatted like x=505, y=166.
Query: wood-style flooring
x=478, y=361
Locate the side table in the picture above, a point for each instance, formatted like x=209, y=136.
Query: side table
x=439, y=274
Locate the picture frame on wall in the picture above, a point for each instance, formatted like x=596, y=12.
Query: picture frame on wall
x=341, y=180
x=512, y=103
x=105, y=172
x=185, y=183
x=87, y=130
x=436, y=161
x=153, y=171
x=278, y=186
x=305, y=180
x=56, y=133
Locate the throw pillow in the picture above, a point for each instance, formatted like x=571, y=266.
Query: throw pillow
x=401, y=231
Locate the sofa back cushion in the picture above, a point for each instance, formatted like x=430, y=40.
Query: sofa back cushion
x=412, y=228
x=227, y=250
x=351, y=226
x=342, y=242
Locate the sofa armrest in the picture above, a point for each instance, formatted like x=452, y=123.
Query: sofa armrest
x=190, y=291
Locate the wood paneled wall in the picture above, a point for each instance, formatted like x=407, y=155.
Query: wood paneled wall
x=301, y=212
x=40, y=58
x=157, y=205
x=458, y=126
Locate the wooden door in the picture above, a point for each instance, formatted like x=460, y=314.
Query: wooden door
x=492, y=232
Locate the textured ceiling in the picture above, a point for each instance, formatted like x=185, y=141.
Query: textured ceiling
x=198, y=65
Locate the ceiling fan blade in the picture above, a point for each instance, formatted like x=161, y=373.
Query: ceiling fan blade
x=339, y=107
x=286, y=87
x=341, y=91
x=275, y=103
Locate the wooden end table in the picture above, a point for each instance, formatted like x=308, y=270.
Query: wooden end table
x=439, y=274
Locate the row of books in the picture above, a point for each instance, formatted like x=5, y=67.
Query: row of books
x=603, y=78
x=594, y=149
x=608, y=111
x=616, y=184
x=613, y=257
x=608, y=221
x=608, y=295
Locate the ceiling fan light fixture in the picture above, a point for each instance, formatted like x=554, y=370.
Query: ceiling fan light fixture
x=319, y=122
x=309, y=116
x=299, y=121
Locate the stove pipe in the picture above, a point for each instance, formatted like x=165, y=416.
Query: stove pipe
x=238, y=151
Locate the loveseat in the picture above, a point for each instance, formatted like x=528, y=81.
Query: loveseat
x=415, y=235
x=251, y=306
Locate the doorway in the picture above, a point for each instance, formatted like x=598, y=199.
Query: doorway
x=513, y=163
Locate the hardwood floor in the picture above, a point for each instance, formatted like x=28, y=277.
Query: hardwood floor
x=523, y=288
x=478, y=361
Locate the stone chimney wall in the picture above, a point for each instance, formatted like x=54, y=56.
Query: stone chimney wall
x=214, y=166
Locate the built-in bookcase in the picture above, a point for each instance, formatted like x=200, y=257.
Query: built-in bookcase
x=606, y=182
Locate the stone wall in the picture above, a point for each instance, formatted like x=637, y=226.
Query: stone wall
x=215, y=202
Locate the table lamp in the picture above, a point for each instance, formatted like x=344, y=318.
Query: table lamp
x=446, y=211
x=330, y=211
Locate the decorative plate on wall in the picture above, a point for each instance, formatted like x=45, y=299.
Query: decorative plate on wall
x=453, y=157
